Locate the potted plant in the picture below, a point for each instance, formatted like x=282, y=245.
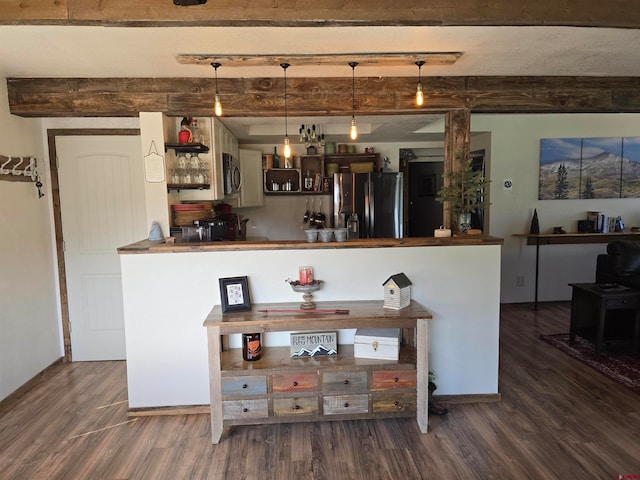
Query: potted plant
x=463, y=192
x=434, y=407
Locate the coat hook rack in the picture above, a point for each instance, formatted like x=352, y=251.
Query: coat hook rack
x=20, y=169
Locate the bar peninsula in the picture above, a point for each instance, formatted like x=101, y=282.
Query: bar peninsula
x=170, y=288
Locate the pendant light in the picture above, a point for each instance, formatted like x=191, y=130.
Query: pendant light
x=287, y=147
x=217, y=106
x=419, y=94
x=353, y=131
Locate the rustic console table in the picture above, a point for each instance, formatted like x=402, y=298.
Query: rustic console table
x=538, y=239
x=279, y=389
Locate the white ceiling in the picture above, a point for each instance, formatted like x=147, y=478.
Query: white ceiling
x=84, y=51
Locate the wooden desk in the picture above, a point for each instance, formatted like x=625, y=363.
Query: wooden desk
x=538, y=239
x=278, y=388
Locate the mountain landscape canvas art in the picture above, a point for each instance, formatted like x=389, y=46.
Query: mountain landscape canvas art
x=576, y=168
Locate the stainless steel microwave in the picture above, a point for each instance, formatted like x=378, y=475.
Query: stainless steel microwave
x=232, y=174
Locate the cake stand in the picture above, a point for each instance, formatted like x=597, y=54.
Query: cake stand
x=307, y=293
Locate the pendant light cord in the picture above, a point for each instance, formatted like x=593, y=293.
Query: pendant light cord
x=284, y=67
x=353, y=87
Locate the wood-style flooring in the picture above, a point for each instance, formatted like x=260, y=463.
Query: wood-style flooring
x=558, y=419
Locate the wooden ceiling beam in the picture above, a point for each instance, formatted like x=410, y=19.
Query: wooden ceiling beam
x=263, y=97
x=379, y=59
x=588, y=13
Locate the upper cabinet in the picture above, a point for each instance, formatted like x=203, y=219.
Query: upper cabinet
x=251, y=174
x=315, y=173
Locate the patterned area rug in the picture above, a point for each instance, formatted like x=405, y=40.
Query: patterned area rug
x=622, y=366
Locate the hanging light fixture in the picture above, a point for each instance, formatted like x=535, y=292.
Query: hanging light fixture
x=353, y=131
x=217, y=106
x=419, y=94
x=287, y=147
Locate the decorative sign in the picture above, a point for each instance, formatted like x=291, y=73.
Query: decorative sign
x=154, y=165
x=313, y=344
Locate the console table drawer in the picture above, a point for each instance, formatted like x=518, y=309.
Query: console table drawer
x=390, y=379
x=241, y=409
x=394, y=402
x=297, y=382
x=344, y=381
x=631, y=301
x=343, y=404
x=283, y=407
x=237, y=386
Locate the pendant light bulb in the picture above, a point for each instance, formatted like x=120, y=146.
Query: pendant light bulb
x=217, y=105
x=353, y=131
x=217, y=108
x=419, y=92
x=419, y=95
x=287, y=146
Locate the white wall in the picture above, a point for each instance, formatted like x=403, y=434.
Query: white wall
x=515, y=155
x=30, y=334
x=166, y=341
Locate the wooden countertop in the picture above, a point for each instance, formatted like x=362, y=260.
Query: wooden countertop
x=146, y=246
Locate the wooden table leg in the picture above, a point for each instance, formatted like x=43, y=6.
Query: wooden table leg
x=602, y=314
x=575, y=311
x=422, y=367
x=215, y=380
x=636, y=335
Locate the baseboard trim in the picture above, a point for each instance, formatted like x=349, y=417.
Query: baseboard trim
x=180, y=410
x=14, y=398
x=474, y=398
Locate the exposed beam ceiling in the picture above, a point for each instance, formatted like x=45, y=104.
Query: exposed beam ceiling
x=377, y=59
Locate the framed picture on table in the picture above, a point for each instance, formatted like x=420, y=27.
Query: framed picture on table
x=234, y=294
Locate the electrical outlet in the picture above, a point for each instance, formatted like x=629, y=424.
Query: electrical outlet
x=254, y=223
x=519, y=281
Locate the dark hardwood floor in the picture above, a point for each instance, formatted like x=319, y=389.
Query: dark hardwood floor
x=558, y=419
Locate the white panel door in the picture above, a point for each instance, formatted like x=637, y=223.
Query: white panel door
x=102, y=206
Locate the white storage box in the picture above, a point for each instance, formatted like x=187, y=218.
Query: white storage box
x=381, y=343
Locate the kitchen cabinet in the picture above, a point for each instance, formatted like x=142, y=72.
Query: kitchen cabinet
x=312, y=177
x=251, y=194
x=279, y=389
x=345, y=160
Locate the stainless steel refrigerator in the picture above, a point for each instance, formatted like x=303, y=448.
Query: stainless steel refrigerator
x=375, y=197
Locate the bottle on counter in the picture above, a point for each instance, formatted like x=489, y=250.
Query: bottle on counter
x=354, y=226
x=195, y=134
x=251, y=346
x=308, y=180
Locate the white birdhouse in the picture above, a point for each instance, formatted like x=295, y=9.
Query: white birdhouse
x=397, y=291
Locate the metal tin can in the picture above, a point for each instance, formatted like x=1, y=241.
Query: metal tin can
x=251, y=346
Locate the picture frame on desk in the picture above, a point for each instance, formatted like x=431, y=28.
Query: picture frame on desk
x=234, y=294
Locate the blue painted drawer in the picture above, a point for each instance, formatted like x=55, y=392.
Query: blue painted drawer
x=237, y=386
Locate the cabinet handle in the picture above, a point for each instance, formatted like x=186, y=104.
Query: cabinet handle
x=295, y=384
x=396, y=403
x=245, y=410
x=346, y=405
x=244, y=385
x=296, y=407
x=395, y=379
x=346, y=382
